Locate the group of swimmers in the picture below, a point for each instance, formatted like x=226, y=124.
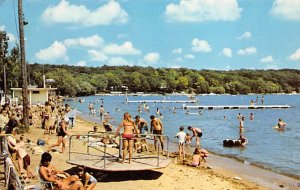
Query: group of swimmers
x=253, y=102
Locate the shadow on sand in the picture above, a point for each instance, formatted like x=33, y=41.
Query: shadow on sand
x=102, y=176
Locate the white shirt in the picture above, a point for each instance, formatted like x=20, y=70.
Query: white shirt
x=11, y=140
x=3, y=120
x=181, y=135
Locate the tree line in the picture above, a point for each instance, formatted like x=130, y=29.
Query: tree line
x=81, y=81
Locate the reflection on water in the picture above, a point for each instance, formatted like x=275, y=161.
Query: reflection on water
x=278, y=150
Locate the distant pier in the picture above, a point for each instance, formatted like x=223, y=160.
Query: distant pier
x=161, y=101
x=237, y=107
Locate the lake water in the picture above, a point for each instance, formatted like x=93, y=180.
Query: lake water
x=267, y=147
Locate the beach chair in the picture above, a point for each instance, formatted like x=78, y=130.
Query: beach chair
x=45, y=185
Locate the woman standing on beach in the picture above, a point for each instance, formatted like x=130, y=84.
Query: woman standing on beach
x=128, y=135
x=47, y=117
x=61, y=133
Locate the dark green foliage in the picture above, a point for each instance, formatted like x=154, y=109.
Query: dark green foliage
x=79, y=81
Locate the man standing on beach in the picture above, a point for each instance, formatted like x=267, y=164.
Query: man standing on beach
x=157, y=129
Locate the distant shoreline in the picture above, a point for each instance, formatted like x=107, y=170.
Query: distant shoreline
x=183, y=94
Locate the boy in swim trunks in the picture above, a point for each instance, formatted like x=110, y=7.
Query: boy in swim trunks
x=181, y=136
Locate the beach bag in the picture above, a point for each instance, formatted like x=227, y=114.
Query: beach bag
x=41, y=142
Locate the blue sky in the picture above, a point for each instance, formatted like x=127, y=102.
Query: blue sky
x=198, y=34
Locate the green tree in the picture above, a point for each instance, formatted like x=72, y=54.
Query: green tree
x=182, y=83
x=64, y=82
x=113, y=80
x=99, y=81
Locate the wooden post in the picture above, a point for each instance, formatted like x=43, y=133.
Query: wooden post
x=3, y=63
x=23, y=62
x=4, y=79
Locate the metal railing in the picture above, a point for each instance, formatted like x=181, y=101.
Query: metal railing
x=104, y=157
x=11, y=174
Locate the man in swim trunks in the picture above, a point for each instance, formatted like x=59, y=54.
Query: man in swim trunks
x=101, y=112
x=157, y=130
x=196, y=133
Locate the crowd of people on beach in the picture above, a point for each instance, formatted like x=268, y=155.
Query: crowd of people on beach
x=135, y=131
x=50, y=118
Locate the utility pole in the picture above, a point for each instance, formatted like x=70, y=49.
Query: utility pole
x=4, y=80
x=23, y=62
x=3, y=63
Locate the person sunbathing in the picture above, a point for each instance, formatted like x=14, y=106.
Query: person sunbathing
x=49, y=173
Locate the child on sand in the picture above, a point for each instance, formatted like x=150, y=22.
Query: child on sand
x=144, y=146
x=198, y=156
x=188, y=139
x=137, y=145
x=89, y=182
x=181, y=136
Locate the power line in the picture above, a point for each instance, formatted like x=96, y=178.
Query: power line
x=16, y=18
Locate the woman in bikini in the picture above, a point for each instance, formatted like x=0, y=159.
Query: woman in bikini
x=61, y=133
x=47, y=118
x=49, y=173
x=128, y=135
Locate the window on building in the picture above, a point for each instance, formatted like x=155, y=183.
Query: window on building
x=35, y=92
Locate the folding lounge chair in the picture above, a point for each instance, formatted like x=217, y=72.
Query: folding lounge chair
x=45, y=185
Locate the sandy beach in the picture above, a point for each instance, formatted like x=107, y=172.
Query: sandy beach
x=214, y=174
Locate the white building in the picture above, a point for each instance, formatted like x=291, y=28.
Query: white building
x=35, y=95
